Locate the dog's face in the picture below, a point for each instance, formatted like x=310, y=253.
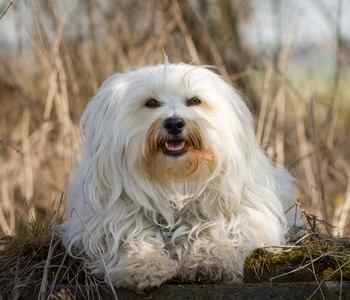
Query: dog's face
x=177, y=143
x=171, y=125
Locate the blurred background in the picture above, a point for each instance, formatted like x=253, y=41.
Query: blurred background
x=290, y=60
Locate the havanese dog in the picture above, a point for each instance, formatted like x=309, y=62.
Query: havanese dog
x=171, y=182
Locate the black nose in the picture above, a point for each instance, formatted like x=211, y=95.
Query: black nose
x=174, y=125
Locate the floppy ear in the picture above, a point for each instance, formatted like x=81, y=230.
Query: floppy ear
x=99, y=171
x=274, y=185
x=96, y=185
x=100, y=109
x=256, y=184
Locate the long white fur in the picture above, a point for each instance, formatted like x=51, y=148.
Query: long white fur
x=138, y=232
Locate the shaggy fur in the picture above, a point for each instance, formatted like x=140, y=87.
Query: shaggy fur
x=142, y=216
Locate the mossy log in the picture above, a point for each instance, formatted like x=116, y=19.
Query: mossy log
x=317, y=258
x=34, y=265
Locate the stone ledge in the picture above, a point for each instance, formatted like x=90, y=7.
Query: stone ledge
x=260, y=291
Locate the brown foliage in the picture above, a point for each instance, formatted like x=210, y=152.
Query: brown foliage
x=46, y=82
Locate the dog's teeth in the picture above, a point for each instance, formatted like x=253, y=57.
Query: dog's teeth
x=175, y=147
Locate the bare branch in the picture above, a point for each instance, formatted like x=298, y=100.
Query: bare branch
x=6, y=9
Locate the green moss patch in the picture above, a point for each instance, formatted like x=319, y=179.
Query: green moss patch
x=316, y=258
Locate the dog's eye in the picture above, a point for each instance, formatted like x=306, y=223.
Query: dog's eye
x=193, y=101
x=152, y=103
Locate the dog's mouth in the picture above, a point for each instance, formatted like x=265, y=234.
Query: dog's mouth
x=174, y=146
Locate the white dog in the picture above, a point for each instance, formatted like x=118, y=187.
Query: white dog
x=172, y=182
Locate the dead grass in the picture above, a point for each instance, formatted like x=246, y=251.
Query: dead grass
x=48, y=78
x=35, y=265
x=46, y=82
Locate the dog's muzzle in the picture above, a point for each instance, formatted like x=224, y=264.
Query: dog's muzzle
x=175, y=144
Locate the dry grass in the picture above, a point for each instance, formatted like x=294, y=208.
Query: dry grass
x=35, y=265
x=48, y=78
x=45, y=83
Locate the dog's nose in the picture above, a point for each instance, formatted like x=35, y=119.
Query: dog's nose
x=174, y=125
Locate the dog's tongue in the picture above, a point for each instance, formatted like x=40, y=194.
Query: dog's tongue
x=175, y=145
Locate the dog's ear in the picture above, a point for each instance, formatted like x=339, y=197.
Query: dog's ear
x=98, y=111
x=95, y=190
x=99, y=172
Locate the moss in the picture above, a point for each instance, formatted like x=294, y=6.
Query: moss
x=264, y=264
x=318, y=257
x=329, y=273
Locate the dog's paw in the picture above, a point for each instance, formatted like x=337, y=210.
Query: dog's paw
x=208, y=270
x=145, y=270
x=211, y=264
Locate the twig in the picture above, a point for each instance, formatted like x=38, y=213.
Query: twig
x=330, y=276
x=186, y=33
x=337, y=77
x=8, y=6
x=299, y=268
x=53, y=284
x=340, y=283
x=299, y=159
x=305, y=237
x=318, y=175
x=207, y=40
x=270, y=118
x=264, y=104
x=44, y=281
x=281, y=126
x=345, y=208
x=314, y=272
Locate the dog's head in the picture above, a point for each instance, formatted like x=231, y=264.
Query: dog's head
x=167, y=127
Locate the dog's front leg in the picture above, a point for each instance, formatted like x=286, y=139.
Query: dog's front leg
x=211, y=258
x=144, y=263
